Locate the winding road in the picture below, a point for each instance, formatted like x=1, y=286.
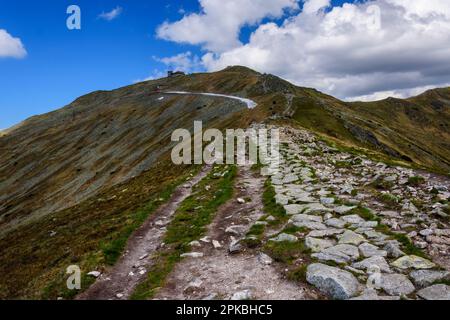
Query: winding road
x=250, y=103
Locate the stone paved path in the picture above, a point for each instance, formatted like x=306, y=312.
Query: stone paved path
x=227, y=269
x=355, y=211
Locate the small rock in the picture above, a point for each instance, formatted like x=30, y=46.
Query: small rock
x=327, y=201
x=284, y=237
x=194, y=285
x=426, y=232
x=393, y=250
x=421, y=244
x=143, y=256
x=236, y=230
x=265, y=259
x=412, y=261
x=372, y=295
x=119, y=296
x=335, y=282
x=192, y=255
x=94, y=274
x=235, y=246
x=192, y=244
x=435, y=292
x=240, y=200
x=205, y=240
x=210, y=297
x=242, y=295
x=216, y=244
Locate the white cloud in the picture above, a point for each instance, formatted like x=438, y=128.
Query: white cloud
x=111, y=15
x=313, y=6
x=186, y=62
x=217, y=27
x=156, y=74
x=404, y=93
x=11, y=47
x=371, y=48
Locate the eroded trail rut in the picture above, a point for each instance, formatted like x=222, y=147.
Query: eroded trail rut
x=221, y=275
x=131, y=269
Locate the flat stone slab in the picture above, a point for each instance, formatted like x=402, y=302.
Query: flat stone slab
x=435, y=292
x=335, y=223
x=375, y=235
x=343, y=209
x=373, y=264
x=353, y=219
x=282, y=199
x=292, y=209
x=290, y=178
x=350, y=237
x=369, y=250
x=307, y=217
x=312, y=225
x=424, y=278
x=372, y=295
x=395, y=284
x=335, y=282
x=325, y=233
x=414, y=262
x=284, y=237
x=327, y=201
x=318, y=245
x=342, y=253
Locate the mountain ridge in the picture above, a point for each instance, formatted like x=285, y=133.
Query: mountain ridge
x=85, y=173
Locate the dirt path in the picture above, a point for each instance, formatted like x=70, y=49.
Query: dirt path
x=221, y=275
x=131, y=269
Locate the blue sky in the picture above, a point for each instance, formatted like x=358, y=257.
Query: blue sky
x=62, y=65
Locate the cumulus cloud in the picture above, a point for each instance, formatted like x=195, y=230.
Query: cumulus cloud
x=186, y=62
x=218, y=25
x=11, y=47
x=111, y=15
x=365, y=49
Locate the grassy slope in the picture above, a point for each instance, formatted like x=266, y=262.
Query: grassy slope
x=91, y=235
x=189, y=224
x=417, y=127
